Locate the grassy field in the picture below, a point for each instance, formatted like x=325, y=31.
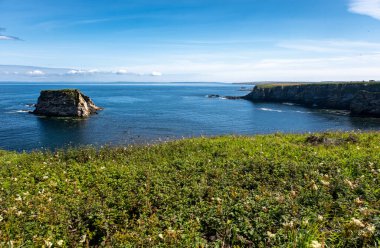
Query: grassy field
x=277, y=190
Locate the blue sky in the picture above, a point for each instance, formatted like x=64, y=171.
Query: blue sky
x=189, y=40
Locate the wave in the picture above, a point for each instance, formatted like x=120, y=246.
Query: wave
x=18, y=111
x=271, y=110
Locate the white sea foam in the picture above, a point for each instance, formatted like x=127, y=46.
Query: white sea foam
x=271, y=110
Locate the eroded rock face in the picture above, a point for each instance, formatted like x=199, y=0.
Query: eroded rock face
x=65, y=103
x=366, y=103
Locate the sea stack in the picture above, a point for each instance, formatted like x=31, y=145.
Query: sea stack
x=65, y=103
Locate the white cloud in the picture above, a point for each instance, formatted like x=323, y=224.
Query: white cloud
x=82, y=72
x=156, y=74
x=366, y=7
x=5, y=37
x=36, y=73
x=122, y=72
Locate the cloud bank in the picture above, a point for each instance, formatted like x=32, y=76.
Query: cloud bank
x=366, y=7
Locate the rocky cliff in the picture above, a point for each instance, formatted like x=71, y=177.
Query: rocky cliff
x=360, y=98
x=65, y=103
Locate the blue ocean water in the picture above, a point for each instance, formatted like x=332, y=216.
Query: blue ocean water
x=145, y=113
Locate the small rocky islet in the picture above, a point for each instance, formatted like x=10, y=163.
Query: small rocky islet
x=65, y=103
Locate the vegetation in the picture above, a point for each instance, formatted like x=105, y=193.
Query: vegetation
x=271, y=85
x=317, y=190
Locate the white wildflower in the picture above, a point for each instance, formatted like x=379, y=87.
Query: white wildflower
x=358, y=201
x=271, y=235
x=48, y=243
x=60, y=242
x=83, y=238
x=320, y=217
x=315, y=244
x=371, y=228
x=161, y=236
x=325, y=183
x=45, y=177
x=357, y=222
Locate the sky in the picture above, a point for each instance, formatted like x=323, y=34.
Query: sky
x=189, y=40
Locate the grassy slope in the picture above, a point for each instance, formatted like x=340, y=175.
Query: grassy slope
x=274, y=190
x=271, y=85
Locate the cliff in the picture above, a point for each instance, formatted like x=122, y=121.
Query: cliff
x=65, y=103
x=359, y=98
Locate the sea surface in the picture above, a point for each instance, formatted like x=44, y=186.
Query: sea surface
x=148, y=113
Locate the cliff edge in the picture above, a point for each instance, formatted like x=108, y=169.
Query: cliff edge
x=360, y=98
x=65, y=103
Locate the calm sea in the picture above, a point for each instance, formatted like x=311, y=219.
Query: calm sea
x=145, y=113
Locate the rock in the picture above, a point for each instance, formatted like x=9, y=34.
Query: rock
x=213, y=96
x=366, y=103
x=65, y=103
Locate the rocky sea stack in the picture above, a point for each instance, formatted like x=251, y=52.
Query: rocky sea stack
x=65, y=103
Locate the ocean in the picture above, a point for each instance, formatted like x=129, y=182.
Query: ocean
x=144, y=113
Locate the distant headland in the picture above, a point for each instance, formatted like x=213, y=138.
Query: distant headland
x=360, y=98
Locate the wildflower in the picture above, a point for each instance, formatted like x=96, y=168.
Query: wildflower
x=349, y=183
x=325, y=183
x=102, y=168
x=371, y=228
x=305, y=222
x=320, y=217
x=293, y=193
x=161, y=236
x=313, y=185
x=60, y=242
x=271, y=235
x=19, y=213
x=45, y=177
x=315, y=244
x=18, y=198
x=83, y=238
x=48, y=243
x=357, y=222
x=358, y=201
x=288, y=224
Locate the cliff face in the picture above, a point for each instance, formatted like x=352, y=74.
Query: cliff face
x=345, y=96
x=65, y=103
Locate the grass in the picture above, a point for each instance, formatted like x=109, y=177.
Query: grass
x=275, y=190
x=272, y=85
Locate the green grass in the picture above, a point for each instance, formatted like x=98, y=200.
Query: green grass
x=271, y=85
x=260, y=191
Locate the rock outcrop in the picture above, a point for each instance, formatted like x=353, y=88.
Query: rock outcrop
x=65, y=103
x=359, y=98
